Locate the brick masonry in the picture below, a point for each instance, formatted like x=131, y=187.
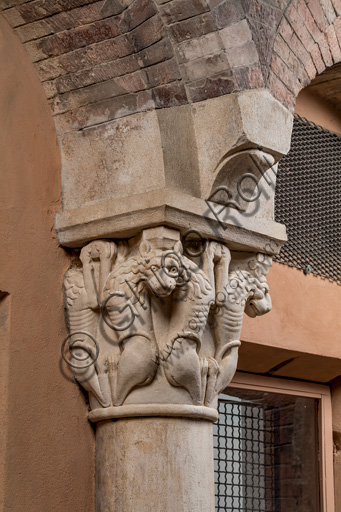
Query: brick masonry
x=100, y=59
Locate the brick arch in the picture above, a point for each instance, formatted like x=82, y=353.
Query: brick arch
x=307, y=42
x=101, y=59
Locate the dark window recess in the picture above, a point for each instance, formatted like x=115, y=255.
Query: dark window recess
x=266, y=453
x=308, y=200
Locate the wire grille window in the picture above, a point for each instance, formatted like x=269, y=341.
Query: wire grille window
x=244, y=458
x=266, y=453
x=308, y=200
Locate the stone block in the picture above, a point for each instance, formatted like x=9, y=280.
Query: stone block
x=203, y=67
x=241, y=56
x=208, y=44
x=236, y=35
x=227, y=13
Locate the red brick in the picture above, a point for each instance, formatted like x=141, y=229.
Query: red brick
x=148, y=33
x=97, y=74
x=285, y=30
x=113, y=7
x=328, y=10
x=70, y=40
x=333, y=44
x=248, y=78
x=50, y=89
x=169, y=95
x=261, y=12
x=6, y=4
x=304, y=79
x=281, y=92
x=324, y=47
x=49, y=69
x=293, y=42
x=298, y=25
x=86, y=58
x=163, y=73
x=317, y=12
x=133, y=82
x=285, y=74
x=317, y=59
x=158, y=52
x=99, y=92
x=194, y=27
x=32, y=31
x=139, y=12
x=286, y=54
x=337, y=28
x=36, y=10
x=13, y=17
x=306, y=15
x=98, y=53
x=279, y=4
x=104, y=111
x=72, y=19
x=310, y=69
x=211, y=87
x=337, y=6
x=178, y=10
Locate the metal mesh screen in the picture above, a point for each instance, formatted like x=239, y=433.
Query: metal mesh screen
x=244, y=458
x=308, y=200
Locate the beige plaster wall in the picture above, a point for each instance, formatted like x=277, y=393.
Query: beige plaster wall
x=318, y=110
x=303, y=328
x=46, y=442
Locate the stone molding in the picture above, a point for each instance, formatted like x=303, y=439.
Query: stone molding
x=126, y=218
x=154, y=331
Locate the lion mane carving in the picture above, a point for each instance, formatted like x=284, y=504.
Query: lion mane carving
x=124, y=288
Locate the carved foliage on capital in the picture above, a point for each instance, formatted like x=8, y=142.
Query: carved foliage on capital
x=159, y=326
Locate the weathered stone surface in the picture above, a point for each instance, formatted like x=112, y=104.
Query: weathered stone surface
x=154, y=302
x=170, y=450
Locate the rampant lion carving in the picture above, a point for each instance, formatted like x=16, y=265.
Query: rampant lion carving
x=152, y=310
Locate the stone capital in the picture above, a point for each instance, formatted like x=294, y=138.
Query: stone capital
x=155, y=323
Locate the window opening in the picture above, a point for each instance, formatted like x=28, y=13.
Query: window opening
x=268, y=452
x=308, y=200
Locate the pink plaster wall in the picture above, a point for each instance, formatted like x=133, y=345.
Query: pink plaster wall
x=46, y=441
x=304, y=325
x=316, y=109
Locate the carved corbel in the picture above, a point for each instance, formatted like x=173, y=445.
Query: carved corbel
x=160, y=329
